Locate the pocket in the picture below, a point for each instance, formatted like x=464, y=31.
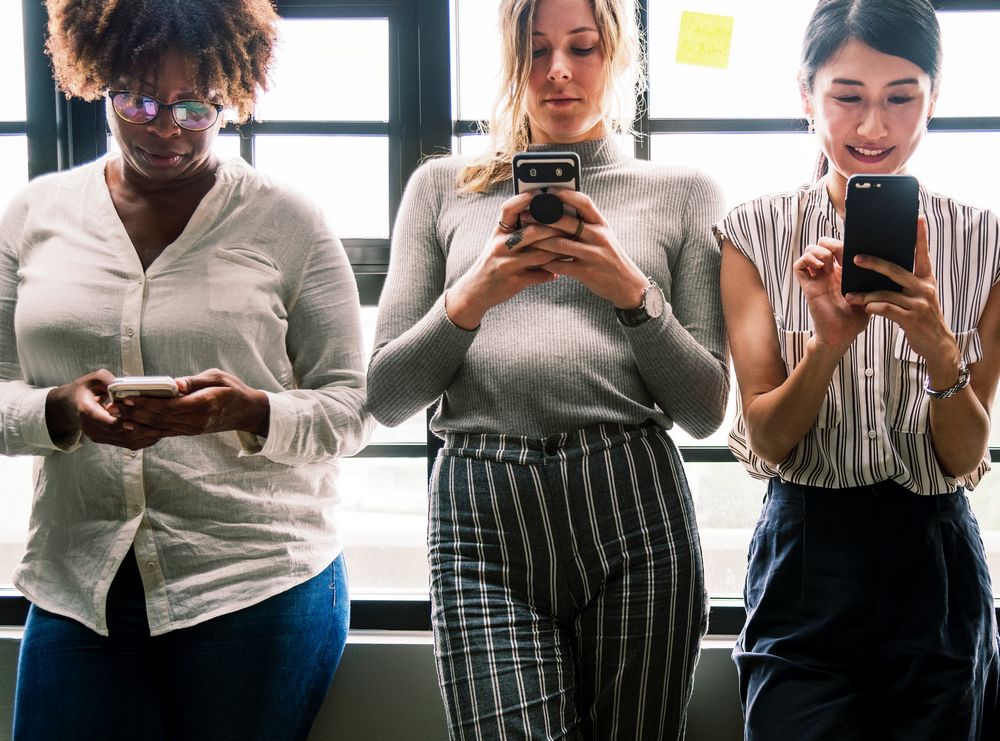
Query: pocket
x=909, y=406
x=236, y=276
x=793, y=348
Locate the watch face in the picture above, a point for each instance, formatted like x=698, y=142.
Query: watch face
x=653, y=302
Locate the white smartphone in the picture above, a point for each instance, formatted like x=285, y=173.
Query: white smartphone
x=161, y=387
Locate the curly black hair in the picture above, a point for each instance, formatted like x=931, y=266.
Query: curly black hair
x=229, y=44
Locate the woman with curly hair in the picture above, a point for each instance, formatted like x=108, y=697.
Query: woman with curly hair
x=566, y=578
x=185, y=574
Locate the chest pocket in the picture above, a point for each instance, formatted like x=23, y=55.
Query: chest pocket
x=908, y=407
x=793, y=347
x=238, y=277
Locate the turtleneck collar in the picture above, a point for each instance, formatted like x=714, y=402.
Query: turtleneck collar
x=593, y=152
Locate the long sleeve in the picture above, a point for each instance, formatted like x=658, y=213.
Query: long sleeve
x=417, y=348
x=682, y=355
x=325, y=415
x=23, y=430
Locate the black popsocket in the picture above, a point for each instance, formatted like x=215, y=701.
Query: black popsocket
x=546, y=208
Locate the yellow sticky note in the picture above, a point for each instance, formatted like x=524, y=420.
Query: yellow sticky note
x=704, y=39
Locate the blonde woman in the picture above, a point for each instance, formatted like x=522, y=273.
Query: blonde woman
x=566, y=575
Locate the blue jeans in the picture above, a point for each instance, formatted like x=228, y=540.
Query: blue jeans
x=259, y=673
x=869, y=616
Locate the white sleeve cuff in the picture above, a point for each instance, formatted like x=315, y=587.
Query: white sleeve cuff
x=32, y=428
x=280, y=429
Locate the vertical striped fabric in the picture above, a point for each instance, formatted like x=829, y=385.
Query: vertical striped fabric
x=566, y=583
x=873, y=425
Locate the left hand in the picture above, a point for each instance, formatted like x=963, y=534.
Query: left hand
x=597, y=260
x=211, y=401
x=916, y=308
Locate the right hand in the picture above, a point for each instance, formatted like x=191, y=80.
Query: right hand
x=80, y=406
x=836, y=323
x=507, y=265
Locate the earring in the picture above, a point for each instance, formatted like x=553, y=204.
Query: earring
x=812, y=126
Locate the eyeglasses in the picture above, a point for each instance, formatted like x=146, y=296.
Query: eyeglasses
x=193, y=115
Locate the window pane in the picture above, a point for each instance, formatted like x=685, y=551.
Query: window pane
x=14, y=173
x=383, y=521
x=16, y=482
x=969, y=41
x=986, y=504
x=12, y=106
x=759, y=81
x=934, y=163
x=330, y=70
x=727, y=504
x=477, y=58
x=413, y=430
x=347, y=175
x=745, y=165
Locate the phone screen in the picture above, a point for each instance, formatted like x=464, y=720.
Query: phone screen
x=880, y=220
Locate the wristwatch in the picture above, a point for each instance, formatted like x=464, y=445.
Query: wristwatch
x=961, y=383
x=650, y=308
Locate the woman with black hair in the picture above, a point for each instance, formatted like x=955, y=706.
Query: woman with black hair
x=869, y=603
x=185, y=574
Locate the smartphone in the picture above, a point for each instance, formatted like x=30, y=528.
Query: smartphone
x=880, y=220
x=163, y=387
x=541, y=171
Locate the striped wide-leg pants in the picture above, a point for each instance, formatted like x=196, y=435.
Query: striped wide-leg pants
x=566, y=585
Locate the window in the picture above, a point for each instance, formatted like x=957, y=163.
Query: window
x=363, y=89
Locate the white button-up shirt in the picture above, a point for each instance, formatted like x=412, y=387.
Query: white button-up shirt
x=256, y=285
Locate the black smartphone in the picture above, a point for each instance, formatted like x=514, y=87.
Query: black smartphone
x=880, y=220
x=541, y=171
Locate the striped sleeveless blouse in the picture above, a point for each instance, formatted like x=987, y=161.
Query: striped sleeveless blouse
x=873, y=425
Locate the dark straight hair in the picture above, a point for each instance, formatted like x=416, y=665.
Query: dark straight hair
x=900, y=28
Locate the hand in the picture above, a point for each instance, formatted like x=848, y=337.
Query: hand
x=80, y=406
x=508, y=264
x=915, y=309
x=836, y=323
x=597, y=259
x=212, y=401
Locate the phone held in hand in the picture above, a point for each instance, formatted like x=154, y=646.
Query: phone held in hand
x=541, y=171
x=161, y=387
x=880, y=220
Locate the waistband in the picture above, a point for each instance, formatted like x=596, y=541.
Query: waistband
x=560, y=446
x=786, y=491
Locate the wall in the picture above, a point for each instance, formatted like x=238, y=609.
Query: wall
x=386, y=690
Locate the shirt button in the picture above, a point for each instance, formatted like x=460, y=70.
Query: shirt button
x=130, y=331
x=133, y=453
x=137, y=510
x=150, y=565
x=869, y=372
x=872, y=434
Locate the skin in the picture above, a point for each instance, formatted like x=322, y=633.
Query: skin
x=565, y=104
x=861, y=100
x=156, y=185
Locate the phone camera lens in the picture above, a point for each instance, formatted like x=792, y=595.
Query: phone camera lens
x=559, y=172
x=533, y=172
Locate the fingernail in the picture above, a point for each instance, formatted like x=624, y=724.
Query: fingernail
x=128, y=426
x=858, y=259
x=128, y=403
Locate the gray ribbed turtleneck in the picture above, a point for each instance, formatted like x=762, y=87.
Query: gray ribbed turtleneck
x=554, y=358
